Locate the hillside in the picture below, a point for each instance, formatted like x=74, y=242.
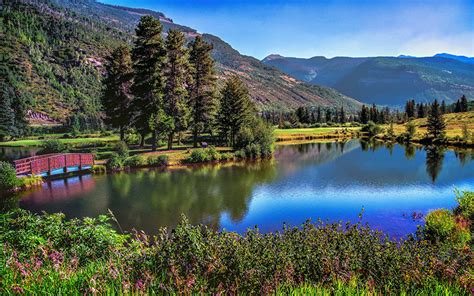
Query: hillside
x=385, y=80
x=53, y=52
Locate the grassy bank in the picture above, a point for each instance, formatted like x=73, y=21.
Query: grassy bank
x=47, y=254
x=455, y=122
x=302, y=134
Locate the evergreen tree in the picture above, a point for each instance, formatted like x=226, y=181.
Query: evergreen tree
x=457, y=107
x=421, y=111
x=342, y=116
x=443, y=107
x=319, y=118
x=235, y=109
x=328, y=115
x=117, y=97
x=464, y=105
x=7, y=118
x=364, y=115
x=436, y=124
x=201, y=88
x=410, y=109
x=176, y=76
x=148, y=57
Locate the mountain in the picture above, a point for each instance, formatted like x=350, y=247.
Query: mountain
x=385, y=80
x=463, y=59
x=52, y=52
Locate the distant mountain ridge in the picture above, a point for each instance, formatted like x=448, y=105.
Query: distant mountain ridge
x=59, y=47
x=385, y=80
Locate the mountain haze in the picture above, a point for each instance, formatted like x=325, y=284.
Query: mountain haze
x=53, y=52
x=385, y=80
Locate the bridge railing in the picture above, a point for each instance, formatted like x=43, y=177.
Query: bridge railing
x=47, y=163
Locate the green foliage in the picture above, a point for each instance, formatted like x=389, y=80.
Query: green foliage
x=49, y=253
x=201, y=87
x=30, y=181
x=465, y=204
x=200, y=155
x=436, y=125
x=131, y=138
x=135, y=161
x=256, y=139
x=439, y=224
x=372, y=129
x=410, y=128
x=236, y=109
x=99, y=169
x=8, y=179
x=115, y=162
x=158, y=160
x=53, y=146
x=121, y=148
x=117, y=97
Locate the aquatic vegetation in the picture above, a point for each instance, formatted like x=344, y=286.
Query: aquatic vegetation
x=47, y=254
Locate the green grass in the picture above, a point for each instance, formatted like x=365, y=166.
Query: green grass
x=39, y=142
x=308, y=131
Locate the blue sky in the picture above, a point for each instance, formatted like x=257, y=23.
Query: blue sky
x=303, y=28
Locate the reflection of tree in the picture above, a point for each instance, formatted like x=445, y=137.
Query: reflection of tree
x=463, y=156
x=409, y=151
x=434, y=161
x=202, y=194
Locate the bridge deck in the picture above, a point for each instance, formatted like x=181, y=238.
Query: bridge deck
x=50, y=164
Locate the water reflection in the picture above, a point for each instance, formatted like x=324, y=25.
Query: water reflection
x=331, y=181
x=14, y=153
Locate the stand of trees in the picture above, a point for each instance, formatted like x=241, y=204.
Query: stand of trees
x=164, y=88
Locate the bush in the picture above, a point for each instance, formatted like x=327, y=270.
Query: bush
x=203, y=155
x=131, y=138
x=227, y=156
x=439, y=224
x=31, y=181
x=8, y=178
x=372, y=129
x=99, y=169
x=53, y=146
x=135, y=161
x=158, y=160
x=122, y=149
x=115, y=162
x=256, y=139
x=465, y=206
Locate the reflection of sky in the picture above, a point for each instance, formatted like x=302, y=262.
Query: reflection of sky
x=389, y=188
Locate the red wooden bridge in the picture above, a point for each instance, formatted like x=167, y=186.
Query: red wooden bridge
x=49, y=164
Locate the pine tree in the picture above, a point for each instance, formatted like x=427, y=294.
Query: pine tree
x=364, y=115
x=464, y=104
x=319, y=118
x=342, y=116
x=235, y=108
x=443, y=107
x=328, y=115
x=457, y=107
x=201, y=88
x=7, y=118
x=436, y=124
x=117, y=97
x=410, y=109
x=148, y=57
x=176, y=71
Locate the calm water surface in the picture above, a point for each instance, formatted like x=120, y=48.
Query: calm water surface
x=330, y=181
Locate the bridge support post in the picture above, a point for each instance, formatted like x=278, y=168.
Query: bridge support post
x=49, y=167
x=65, y=164
x=80, y=162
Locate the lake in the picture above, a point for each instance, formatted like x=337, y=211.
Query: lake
x=391, y=186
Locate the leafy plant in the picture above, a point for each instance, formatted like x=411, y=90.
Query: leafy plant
x=8, y=178
x=158, y=160
x=439, y=224
x=115, y=162
x=135, y=161
x=53, y=146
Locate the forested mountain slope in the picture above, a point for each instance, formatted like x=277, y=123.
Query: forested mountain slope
x=386, y=80
x=52, y=53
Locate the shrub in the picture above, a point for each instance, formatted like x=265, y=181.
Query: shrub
x=372, y=129
x=197, y=156
x=115, y=162
x=465, y=206
x=8, y=178
x=53, y=146
x=135, y=161
x=256, y=139
x=439, y=224
x=227, y=156
x=131, y=138
x=99, y=169
x=31, y=181
x=158, y=160
x=122, y=149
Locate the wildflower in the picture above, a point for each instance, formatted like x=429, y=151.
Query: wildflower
x=139, y=284
x=17, y=289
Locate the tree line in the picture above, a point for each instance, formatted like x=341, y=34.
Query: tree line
x=165, y=87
